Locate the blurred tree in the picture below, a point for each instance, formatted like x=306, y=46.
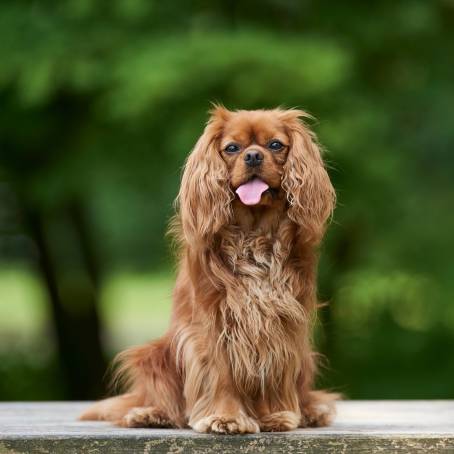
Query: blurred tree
x=66, y=257
x=101, y=101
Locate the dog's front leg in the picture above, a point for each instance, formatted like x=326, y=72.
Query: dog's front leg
x=218, y=409
x=227, y=418
x=279, y=413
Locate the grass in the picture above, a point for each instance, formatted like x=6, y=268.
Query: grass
x=134, y=308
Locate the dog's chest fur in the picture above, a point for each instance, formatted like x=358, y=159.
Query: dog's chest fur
x=261, y=317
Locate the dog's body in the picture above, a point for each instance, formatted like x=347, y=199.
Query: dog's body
x=237, y=357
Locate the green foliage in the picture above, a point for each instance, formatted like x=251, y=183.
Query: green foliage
x=102, y=100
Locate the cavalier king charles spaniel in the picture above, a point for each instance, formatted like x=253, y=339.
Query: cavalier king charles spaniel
x=253, y=205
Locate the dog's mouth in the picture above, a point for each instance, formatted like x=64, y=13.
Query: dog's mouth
x=250, y=193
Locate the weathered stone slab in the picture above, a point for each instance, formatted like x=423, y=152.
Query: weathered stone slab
x=361, y=426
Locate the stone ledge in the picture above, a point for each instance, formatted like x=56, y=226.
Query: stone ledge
x=361, y=426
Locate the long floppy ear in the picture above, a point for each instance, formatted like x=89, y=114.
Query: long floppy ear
x=205, y=196
x=309, y=190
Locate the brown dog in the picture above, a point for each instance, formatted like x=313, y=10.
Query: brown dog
x=254, y=201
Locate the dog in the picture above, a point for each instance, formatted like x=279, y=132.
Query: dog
x=253, y=206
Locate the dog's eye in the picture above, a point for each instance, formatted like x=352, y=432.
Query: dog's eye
x=275, y=145
x=232, y=148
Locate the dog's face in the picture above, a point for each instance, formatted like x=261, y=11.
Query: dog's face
x=254, y=146
x=253, y=156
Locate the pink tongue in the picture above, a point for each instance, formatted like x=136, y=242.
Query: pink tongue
x=251, y=192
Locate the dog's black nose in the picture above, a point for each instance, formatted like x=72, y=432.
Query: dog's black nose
x=253, y=158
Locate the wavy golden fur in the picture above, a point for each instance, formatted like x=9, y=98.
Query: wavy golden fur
x=237, y=357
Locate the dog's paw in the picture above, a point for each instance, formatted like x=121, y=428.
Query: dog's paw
x=281, y=421
x=318, y=415
x=145, y=417
x=227, y=424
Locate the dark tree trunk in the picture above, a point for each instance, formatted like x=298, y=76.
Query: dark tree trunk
x=72, y=290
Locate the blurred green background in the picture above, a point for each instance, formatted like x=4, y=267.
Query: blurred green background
x=101, y=100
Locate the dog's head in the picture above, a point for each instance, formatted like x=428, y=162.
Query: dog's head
x=254, y=156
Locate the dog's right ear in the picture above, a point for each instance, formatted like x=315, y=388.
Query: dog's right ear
x=205, y=196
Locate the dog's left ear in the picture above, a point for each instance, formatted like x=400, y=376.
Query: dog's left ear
x=309, y=190
x=205, y=195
